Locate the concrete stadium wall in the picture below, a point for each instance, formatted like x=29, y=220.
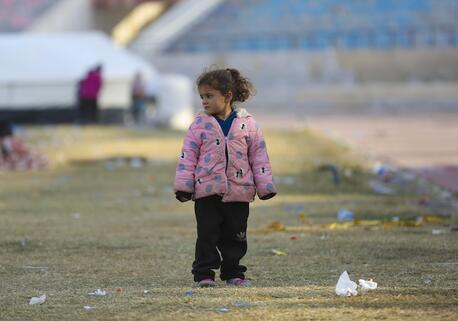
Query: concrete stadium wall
x=71, y=15
x=401, y=65
x=68, y=15
x=353, y=80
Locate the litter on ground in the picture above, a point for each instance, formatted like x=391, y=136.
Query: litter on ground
x=345, y=215
x=38, y=300
x=98, y=292
x=367, y=285
x=278, y=252
x=345, y=286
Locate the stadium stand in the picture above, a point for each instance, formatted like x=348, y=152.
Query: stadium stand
x=109, y=4
x=18, y=15
x=266, y=25
x=67, y=15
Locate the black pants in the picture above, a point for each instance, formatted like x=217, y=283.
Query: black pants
x=88, y=110
x=220, y=227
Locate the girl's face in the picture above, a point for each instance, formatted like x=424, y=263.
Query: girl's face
x=215, y=103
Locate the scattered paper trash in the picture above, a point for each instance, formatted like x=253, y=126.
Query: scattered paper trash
x=345, y=286
x=98, y=292
x=344, y=215
x=88, y=308
x=278, y=252
x=437, y=231
x=223, y=310
x=367, y=285
x=145, y=291
x=323, y=237
x=38, y=300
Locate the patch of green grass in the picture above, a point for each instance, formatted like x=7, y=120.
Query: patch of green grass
x=85, y=224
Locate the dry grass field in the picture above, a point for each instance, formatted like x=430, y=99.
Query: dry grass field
x=104, y=216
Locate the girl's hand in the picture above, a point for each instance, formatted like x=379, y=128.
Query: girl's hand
x=183, y=196
x=266, y=197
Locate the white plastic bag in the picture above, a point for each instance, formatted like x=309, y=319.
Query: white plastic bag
x=367, y=285
x=38, y=300
x=99, y=292
x=345, y=286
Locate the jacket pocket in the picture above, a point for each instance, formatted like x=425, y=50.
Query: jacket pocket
x=209, y=185
x=206, y=165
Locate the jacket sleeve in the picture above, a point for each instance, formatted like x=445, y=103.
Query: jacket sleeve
x=260, y=165
x=184, y=177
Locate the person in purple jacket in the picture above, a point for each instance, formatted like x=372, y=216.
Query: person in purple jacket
x=88, y=90
x=222, y=166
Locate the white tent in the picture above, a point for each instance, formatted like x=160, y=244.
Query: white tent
x=42, y=70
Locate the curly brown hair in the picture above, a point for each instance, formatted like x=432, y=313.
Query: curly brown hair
x=225, y=80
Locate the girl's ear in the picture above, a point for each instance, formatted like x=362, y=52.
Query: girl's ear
x=228, y=96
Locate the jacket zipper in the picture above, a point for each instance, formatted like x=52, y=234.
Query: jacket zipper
x=226, y=156
x=225, y=142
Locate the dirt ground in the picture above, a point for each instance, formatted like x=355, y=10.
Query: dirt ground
x=424, y=142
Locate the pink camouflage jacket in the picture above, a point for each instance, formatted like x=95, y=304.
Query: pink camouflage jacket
x=202, y=168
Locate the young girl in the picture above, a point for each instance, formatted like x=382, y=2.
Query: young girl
x=223, y=164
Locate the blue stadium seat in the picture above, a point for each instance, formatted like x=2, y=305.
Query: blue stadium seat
x=260, y=25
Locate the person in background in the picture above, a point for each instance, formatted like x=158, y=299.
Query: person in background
x=138, y=107
x=223, y=164
x=14, y=155
x=89, y=91
x=79, y=102
x=5, y=132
